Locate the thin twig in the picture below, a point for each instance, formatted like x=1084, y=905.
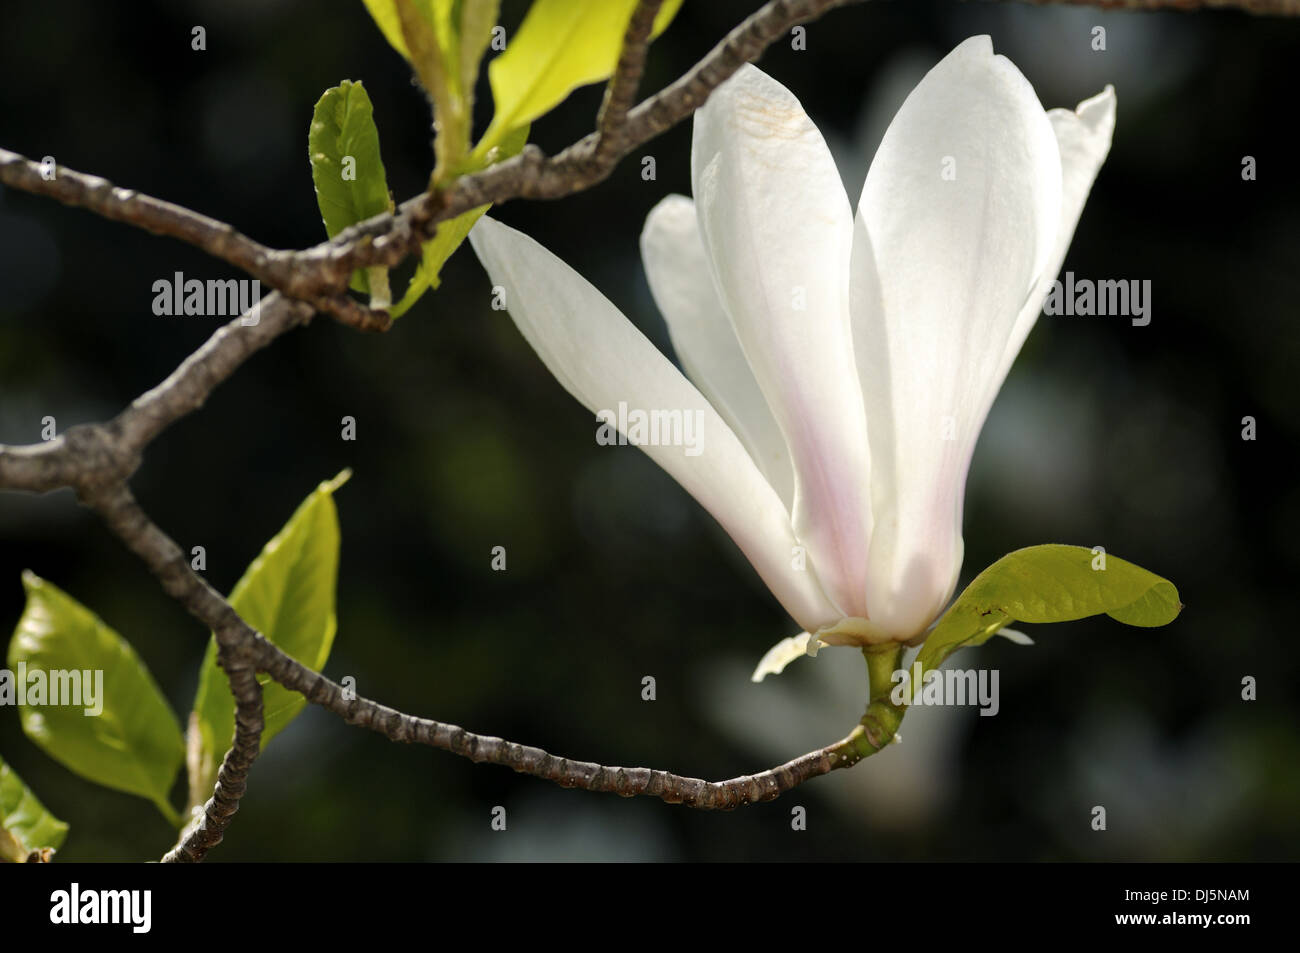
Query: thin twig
x=98, y=195
x=94, y=455
x=243, y=650
x=866, y=739
x=620, y=92
x=322, y=285
x=188, y=387
x=208, y=827
x=531, y=175
x=123, y=515
x=1279, y=8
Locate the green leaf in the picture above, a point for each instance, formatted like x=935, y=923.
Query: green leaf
x=134, y=743
x=477, y=18
x=463, y=29
x=436, y=13
x=431, y=34
x=452, y=234
x=288, y=595
x=25, y=824
x=1051, y=583
x=561, y=45
x=385, y=16
x=343, y=144
x=443, y=14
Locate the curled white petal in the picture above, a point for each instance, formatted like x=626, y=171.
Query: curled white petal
x=1014, y=635
x=785, y=652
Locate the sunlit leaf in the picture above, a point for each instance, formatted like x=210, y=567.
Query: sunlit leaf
x=287, y=594
x=25, y=824
x=343, y=143
x=477, y=18
x=130, y=740
x=561, y=45
x=1051, y=583
x=385, y=16
x=451, y=234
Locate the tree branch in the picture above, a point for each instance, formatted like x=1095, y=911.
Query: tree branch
x=531, y=175
x=244, y=651
x=123, y=515
x=188, y=387
x=98, y=195
x=875, y=731
x=1280, y=8
x=209, y=825
x=324, y=285
x=620, y=92
x=88, y=456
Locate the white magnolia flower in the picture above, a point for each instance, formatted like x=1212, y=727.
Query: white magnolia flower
x=844, y=365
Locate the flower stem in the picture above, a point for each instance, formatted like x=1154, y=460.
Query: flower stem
x=880, y=722
x=882, y=661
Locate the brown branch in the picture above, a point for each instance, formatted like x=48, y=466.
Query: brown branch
x=188, y=387
x=243, y=652
x=620, y=92
x=123, y=515
x=82, y=453
x=91, y=456
x=870, y=736
x=209, y=825
x=97, y=459
x=323, y=285
x=1280, y=8
x=102, y=197
x=531, y=175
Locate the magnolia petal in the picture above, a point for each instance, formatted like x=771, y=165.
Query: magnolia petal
x=957, y=221
x=602, y=360
x=1014, y=635
x=778, y=229
x=677, y=268
x=783, y=653
x=1083, y=136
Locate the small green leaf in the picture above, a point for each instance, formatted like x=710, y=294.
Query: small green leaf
x=343, y=144
x=452, y=234
x=1051, y=583
x=463, y=28
x=561, y=45
x=434, y=255
x=133, y=743
x=477, y=18
x=25, y=824
x=288, y=595
x=385, y=16
x=443, y=40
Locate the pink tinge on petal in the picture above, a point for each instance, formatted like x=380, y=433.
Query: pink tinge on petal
x=958, y=219
x=777, y=227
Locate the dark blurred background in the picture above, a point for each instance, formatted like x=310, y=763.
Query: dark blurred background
x=1105, y=434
